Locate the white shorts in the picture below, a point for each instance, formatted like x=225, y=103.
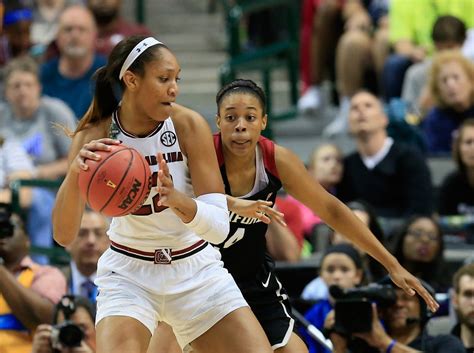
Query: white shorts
x=190, y=294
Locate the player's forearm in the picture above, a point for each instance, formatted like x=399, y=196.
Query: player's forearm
x=67, y=211
x=343, y=220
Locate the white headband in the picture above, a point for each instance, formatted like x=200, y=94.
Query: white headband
x=136, y=52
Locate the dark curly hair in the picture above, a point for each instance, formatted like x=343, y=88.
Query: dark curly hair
x=242, y=86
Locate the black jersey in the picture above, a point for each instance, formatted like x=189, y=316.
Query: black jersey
x=244, y=251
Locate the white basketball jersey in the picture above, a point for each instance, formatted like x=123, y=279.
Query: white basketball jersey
x=153, y=227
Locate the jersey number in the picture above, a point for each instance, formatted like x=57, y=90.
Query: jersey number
x=238, y=235
x=146, y=210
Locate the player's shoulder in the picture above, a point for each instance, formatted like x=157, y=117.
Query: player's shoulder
x=187, y=120
x=93, y=131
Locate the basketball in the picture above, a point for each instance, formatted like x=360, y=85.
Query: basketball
x=118, y=183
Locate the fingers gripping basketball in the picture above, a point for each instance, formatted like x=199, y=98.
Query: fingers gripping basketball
x=118, y=183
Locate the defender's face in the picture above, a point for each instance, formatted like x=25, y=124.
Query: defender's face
x=241, y=122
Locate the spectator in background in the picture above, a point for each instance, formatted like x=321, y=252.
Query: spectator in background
x=83, y=316
x=456, y=194
x=341, y=265
x=68, y=77
x=317, y=288
x=33, y=119
x=391, y=177
x=451, y=86
x=449, y=32
x=285, y=243
x=325, y=164
x=46, y=22
x=36, y=122
x=403, y=329
x=360, y=55
x=85, y=250
x=111, y=26
x=14, y=164
x=372, y=269
x=463, y=302
x=323, y=25
x=419, y=247
x=28, y=291
x=15, y=40
x=411, y=24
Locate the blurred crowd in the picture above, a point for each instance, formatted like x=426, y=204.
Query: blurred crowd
x=401, y=73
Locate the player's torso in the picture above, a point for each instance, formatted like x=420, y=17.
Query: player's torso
x=243, y=251
x=154, y=226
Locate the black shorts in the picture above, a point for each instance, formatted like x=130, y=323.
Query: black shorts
x=269, y=302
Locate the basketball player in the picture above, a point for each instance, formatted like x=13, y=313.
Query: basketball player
x=160, y=266
x=255, y=168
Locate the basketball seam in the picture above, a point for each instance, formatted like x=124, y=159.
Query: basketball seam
x=95, y=172
x=120, y=182
x=135, y=206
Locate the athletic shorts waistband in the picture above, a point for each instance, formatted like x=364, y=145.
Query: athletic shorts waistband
x=163, y=256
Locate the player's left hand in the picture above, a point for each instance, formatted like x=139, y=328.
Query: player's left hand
x=257, y=209
x=410, y=284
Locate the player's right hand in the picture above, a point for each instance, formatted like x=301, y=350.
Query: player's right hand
x=87, y=152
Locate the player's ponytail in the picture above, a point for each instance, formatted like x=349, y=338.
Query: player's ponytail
x=108, y=79
x=104, y=102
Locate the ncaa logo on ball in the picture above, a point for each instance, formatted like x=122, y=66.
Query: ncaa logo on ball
x=168, y=138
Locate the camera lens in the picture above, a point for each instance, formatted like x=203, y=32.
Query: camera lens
x=70, y=335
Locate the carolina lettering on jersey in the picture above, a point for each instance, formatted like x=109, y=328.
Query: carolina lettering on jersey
x=244, y=250
x=169, y=157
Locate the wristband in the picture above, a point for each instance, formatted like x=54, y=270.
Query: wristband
x=390, y=346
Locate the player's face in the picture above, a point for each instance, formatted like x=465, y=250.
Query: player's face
x=241, y=122
x=366, y=114
x=339, y=269
x=466, y=146
x=158, y=88
x=422, y=241
x=464, y=301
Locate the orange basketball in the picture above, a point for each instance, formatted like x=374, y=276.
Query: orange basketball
x=118, y=183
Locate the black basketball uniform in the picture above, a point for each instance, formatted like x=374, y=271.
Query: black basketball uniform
x=245, y=254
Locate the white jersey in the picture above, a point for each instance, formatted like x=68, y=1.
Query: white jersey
x=155, y=227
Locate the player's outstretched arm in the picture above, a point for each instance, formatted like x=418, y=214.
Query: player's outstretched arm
x=301, y=185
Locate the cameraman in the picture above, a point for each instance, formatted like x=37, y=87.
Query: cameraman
x=81, y=314
x=404, y=330
x=28, y=291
